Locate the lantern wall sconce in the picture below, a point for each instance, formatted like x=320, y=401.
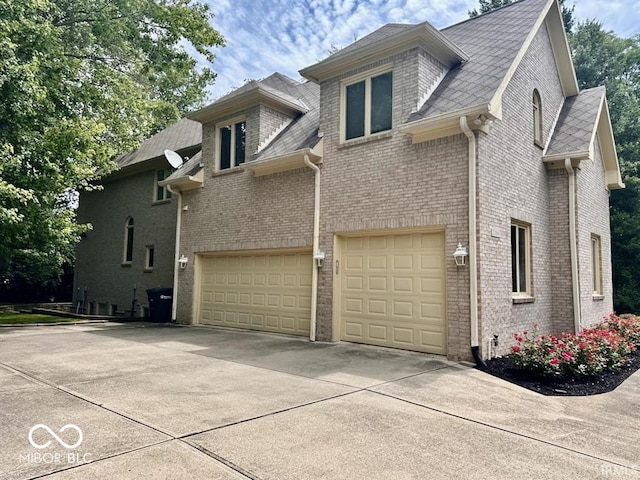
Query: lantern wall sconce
x=460, y=255
x=182, y=261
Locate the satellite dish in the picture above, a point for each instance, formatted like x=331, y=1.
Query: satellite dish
x=174, y=159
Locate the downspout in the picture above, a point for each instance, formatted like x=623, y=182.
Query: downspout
x=316, y=241
x=174, y=300
x=473, y=265
x=573, y=243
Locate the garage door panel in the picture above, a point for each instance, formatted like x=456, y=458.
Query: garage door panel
x=269, y=292
x=403, y=335
x=378, y=332
x=377, y=307
x=392, y=291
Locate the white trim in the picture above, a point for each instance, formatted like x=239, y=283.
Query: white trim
x=147, y=256
x=528, y=291
x=596, y=264
x=573, y=239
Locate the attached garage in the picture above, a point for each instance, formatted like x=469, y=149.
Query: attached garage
x=263, y=291
x=391, y=291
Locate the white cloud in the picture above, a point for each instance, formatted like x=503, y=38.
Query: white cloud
x=264, y=36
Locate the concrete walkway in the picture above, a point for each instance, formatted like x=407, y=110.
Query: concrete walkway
x=166, y=402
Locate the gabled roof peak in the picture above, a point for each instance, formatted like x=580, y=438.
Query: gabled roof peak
x=383, y=42
x=275, y=90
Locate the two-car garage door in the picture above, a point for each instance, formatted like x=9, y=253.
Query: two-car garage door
x=270, y=292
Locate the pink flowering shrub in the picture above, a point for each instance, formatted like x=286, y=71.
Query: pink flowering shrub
x=603, y=347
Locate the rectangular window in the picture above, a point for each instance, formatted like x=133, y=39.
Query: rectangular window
x=148, y=263
x=231, y=145
x=368, y=106
x=521, y=259
x=596, y=264
x=162, y=193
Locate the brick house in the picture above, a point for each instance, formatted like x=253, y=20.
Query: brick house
x=331, y=208
x=132, y=242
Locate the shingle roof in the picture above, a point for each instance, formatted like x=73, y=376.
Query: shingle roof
x=577, y=122
x=375, y=36
x=188, y=168
x=181, y=135
x=492, y=42
x=303, y=131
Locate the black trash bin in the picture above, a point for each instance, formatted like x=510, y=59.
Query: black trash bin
x=160, y=301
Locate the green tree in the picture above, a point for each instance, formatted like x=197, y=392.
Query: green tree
x=489, y=5
x=602, y=58
x=80, y=81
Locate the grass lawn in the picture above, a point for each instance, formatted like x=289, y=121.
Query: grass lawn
x=26, y=318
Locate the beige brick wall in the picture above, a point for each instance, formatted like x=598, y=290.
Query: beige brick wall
x=562, y=289
x=514, y=184
x=234, y=210
x=592, y=217
x=99, y=255
x=388, y=184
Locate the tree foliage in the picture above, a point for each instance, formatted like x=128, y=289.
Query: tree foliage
x=80, y=81
x=602, y=58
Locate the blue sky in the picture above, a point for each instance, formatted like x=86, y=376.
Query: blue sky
x=264, y=36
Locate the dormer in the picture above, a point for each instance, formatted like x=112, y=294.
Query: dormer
x=242, y=123
x=381, y=79
x=264, y=127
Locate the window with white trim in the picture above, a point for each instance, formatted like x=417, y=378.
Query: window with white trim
x=149, y=257
x=128, y=241
x=161, y=193
x=367, y=105
x=231, y=145
x=537, y=118
x=596, y=264
x=520, y=259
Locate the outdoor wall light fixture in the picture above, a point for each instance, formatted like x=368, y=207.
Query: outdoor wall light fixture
x=460, y=255
x=182, y=261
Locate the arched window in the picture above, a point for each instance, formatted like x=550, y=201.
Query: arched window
x=537, y=118
x=128, y=240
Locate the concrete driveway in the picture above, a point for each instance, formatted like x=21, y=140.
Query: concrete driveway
x=164, y=402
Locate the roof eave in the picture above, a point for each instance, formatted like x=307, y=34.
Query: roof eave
x=608, y=148
x=423, y=35
x=552, y=15
x=189, y=182
x=247, y=99
x=285, y=162
x=447, y=124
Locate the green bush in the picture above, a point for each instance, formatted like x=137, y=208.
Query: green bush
x=603, y=347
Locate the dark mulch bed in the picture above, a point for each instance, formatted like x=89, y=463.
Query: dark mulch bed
x=505, y=368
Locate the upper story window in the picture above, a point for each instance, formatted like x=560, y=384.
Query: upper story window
x=366, y=105
x=128, y=241
x=161, y=193
x=537, y=118
x=231, y=144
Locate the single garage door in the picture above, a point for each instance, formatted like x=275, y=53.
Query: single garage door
x=270, y=292
x=392, y=291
